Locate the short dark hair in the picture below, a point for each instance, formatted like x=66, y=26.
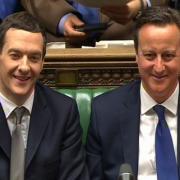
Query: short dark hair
x=24, y=21
x=160, y=16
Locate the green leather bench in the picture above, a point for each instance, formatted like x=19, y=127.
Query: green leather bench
x=83, y=97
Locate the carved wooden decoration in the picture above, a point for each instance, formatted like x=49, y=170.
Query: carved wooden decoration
x=89, y=67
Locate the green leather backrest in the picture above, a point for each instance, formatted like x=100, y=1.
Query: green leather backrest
x=83, y=97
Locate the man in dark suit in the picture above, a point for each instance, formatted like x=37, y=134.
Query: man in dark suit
x=50, y=127
x=57, y=10
x=123, y=122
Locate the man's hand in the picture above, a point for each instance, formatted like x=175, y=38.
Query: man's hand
x=123, y=14
x=69, y=27
x=73, y=38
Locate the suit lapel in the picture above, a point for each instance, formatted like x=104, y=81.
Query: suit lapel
x=130, y=128
x=5, y=137
x=39, y=120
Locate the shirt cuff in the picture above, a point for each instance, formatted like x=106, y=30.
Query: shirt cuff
x=61, y=23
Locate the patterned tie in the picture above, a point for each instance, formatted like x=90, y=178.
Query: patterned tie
x=17, y=148
x=165, y=156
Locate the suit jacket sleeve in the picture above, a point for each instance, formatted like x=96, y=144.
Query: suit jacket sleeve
x=48, y=12
x=73, y=165
x=93, y=147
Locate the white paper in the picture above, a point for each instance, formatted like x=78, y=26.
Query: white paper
x=56, y=45
x=101, y=3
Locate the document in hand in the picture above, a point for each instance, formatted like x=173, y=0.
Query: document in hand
x=101, y=3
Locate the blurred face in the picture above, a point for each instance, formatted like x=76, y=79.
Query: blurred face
x=21, y=62
x=158, y=60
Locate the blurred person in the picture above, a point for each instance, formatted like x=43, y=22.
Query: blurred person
x=125, y=13
x=61, y=17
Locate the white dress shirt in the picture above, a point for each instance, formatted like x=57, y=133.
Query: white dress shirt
x=8, y=107
x=148, y=123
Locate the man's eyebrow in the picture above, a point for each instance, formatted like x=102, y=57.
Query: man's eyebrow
x=34, y=52
x=170, y=50
x=14, y=50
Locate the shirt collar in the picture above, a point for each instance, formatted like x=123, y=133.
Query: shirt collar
x=147, y=102
x=8, y=106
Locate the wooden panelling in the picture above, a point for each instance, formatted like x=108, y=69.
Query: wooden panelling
x=89, y=67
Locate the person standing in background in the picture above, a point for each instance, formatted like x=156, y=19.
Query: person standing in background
x=60, y=18
x=123, y=14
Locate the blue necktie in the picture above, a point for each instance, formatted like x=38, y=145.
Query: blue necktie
x=165, y=156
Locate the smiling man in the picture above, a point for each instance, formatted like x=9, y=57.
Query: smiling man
x=40, y=134
x=21, y=64
x=139, y=123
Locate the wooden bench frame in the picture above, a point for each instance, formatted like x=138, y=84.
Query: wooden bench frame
x=89, y=67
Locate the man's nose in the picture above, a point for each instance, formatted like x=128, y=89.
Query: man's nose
x=24, y=66
x=159, y=64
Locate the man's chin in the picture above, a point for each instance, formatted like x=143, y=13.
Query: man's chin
x=159, y=90
x=22, y=92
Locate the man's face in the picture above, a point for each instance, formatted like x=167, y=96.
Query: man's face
x=21, y=62
x=158, y=59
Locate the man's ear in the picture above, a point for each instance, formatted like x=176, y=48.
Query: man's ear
x=42, y=65
x=136, y=58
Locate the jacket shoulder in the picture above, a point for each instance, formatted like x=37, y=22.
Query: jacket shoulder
x=119, y=94
x=53, y=96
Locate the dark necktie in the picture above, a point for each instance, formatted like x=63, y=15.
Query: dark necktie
x=17, y=148
x=165, y=156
